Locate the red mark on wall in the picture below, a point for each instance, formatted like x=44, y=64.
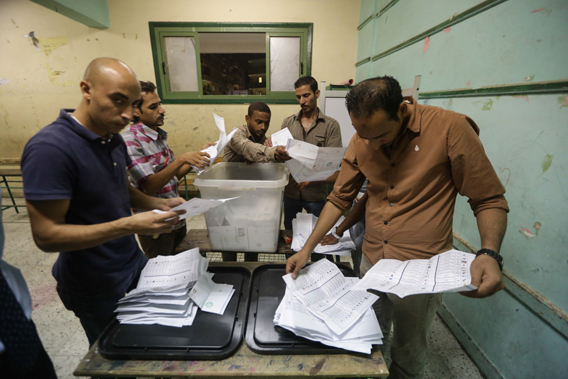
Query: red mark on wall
x=538, y=10
x=447, y=30
x=426, y=44
x=527, y=233
x=522, y=97
x=467, y=84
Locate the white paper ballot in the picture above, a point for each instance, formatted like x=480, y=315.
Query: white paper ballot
x=312, y=163
x=302, y=227
x=210, y=296
x=348, y=321
x=325, y=292
x=281, y=137
x=217, y=149
x=446, y=272
x=172, y=271
x=197, y=206
x=170, y=291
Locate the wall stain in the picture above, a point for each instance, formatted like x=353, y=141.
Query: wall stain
x=48, y=45
x=488, y=105
x=563, y=101
x=123, y=35
x=526, y=233
x=507, y=175
x=537, y=226
x=522, y=97
x=5, y=115
x=14, y=22
x=529, y=78
x=547, y=162
x=317, y=368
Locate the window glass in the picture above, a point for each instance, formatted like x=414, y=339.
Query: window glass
x=233, y=63
x=284, y=63
x=180, y=63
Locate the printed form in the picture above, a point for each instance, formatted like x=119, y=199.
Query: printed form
x=216, y=150
x=172, y=272
x=445, y=272
x=302, y=227
x=329, y=296
x=281, y=137
x=312, y=163
x=196, y=206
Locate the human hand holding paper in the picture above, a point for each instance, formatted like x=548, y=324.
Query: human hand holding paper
x=196, y=206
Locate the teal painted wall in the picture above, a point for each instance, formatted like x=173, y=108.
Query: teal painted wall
x=93, y=13
x=521, y=332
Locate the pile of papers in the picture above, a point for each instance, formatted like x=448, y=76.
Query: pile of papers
x=445, y=272
x=302, y=227
x=170, y=291
x=322, y=305
x=217, y=149
x=312, y=163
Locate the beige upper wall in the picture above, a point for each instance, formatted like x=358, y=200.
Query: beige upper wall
x=42, y=82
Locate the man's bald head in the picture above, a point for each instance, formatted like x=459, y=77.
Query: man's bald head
x=109, y=88
x=103, y=69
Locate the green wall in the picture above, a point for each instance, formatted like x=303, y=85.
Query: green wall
x=497, y=47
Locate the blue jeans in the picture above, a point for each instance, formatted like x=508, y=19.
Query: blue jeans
x=96, y=311
x=293, y=206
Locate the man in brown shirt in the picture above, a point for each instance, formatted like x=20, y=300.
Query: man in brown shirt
x=417, y=159
x=312, y=126
x=247, y=145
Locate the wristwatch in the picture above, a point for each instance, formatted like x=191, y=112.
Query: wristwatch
x=492, y=254
x=333, y=232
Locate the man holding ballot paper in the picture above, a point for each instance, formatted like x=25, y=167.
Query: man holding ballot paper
x=416, y=158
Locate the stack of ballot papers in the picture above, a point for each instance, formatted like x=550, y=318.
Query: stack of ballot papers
x=445, y=272
x=312, y=163
x=302, y=227
x=321, y=305
x=170, y=291
x=216, y=150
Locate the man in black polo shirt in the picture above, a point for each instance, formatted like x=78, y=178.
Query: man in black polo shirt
x=79, y=199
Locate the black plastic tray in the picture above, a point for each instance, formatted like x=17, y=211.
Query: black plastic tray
x=261, y=335
x=210, y=337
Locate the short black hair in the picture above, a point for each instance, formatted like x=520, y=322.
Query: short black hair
x=148, y=87
x=258, y=106
x=367, y=97
x=307, y=81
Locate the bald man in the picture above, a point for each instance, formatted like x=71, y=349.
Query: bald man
x=79, y=199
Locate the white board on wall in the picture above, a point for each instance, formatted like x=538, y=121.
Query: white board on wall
x=332, y=104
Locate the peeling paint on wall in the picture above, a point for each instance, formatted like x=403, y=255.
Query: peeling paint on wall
x=522, y=97
x=537, y=226
x=527, y=233
x=426, y=44
x=563, y=101
x=547, y=162
x=488, y=105
x=48, y=45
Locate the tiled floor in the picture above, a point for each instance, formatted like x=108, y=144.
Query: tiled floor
x=65, y=341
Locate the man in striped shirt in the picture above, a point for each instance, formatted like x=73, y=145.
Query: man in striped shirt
x=154, y=169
